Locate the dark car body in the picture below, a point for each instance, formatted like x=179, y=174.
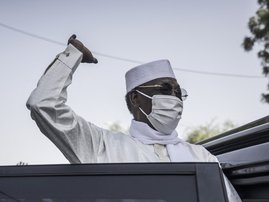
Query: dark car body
x=243, y=154
x=144, y=182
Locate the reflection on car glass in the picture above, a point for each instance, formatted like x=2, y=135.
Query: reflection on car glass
x=130, y=200
x=5, y=197
x=81, y=200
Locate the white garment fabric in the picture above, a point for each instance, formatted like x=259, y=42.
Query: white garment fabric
x=147, y=72
x=177, y=149
x=83, y=142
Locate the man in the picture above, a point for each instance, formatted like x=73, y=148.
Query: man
x=153, y=97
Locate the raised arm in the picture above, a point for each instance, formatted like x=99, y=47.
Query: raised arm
x=77, y=139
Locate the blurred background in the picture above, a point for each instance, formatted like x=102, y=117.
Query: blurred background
x=202, y=39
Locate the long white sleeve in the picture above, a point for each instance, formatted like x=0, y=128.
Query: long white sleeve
x=80, y=141
x=75, y=137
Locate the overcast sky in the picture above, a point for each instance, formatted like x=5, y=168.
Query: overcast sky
x=194, y=35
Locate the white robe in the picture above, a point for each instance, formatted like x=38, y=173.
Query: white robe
x=83, y=142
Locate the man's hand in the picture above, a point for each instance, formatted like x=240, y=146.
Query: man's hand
x=87, y=55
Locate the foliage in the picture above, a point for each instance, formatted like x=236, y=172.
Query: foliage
x=208, y=130
x=195, y=134
x=21, y=163
x=116, y=127
x=259, y=28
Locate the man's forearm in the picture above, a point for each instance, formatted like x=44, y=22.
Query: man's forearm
x=56, y=77
x=47, y=103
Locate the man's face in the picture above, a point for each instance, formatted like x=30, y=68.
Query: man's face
x=160, y=86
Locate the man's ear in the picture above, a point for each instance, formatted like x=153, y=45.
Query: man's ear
x=134, y=99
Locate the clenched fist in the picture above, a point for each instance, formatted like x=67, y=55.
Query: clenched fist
x=87, y=55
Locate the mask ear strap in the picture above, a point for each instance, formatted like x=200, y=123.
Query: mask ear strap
x=143, y=111
x=144, y=94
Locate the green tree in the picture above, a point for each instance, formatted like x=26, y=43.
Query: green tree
x=21, y=163
x=259, y=29
x=208, y=130
x=116, y=127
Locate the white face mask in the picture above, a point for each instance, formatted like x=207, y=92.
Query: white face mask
x=165, y=113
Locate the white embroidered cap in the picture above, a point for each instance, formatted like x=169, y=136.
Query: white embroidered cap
x=147, y=72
